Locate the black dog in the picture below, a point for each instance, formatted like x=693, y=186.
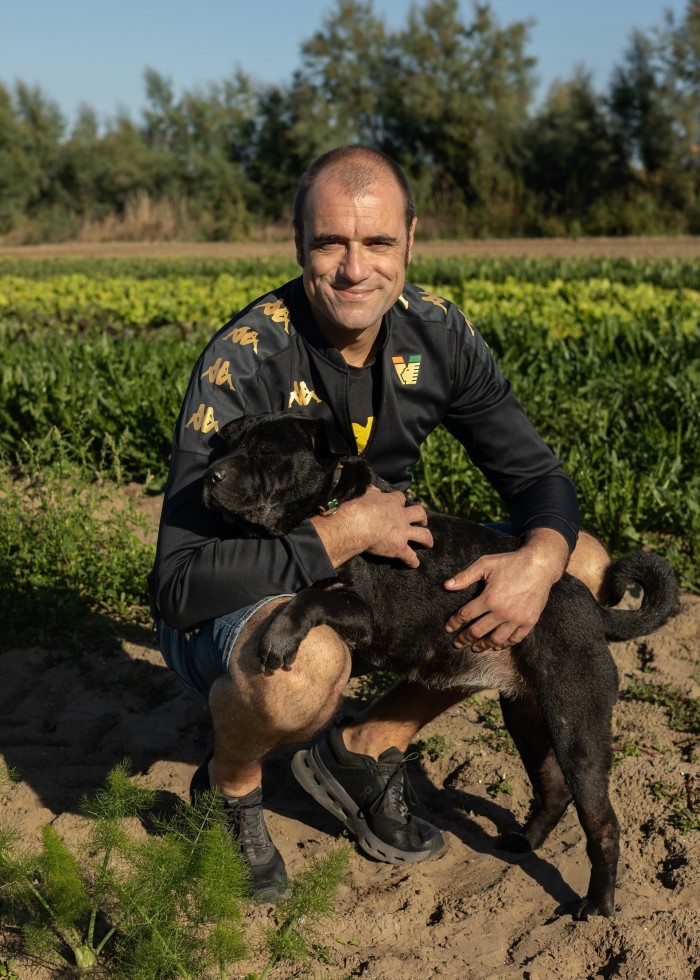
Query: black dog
x=558, y=686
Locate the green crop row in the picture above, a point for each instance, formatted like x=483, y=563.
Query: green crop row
x=673, y=273
x=76, y=303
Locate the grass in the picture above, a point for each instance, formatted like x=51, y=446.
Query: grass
x=66, y=550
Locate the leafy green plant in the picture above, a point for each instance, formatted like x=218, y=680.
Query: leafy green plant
x=61, y=899
x=311, y=899
x=625, y=750
x=496, y=735
x=502, y=785
x=168, y=905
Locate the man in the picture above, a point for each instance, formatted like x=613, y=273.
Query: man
x=385, y=362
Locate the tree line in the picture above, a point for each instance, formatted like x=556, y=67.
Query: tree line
x=450, y=97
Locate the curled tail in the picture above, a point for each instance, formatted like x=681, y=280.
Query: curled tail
x=659, y=602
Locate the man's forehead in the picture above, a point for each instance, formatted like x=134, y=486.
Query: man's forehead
x=330, y=200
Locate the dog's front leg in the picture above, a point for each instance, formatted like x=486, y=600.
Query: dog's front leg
x=338, y=608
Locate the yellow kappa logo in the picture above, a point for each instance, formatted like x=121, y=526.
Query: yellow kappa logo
x=435, y=300
x=278, y=311
x=219, y=373
x=243, y=336
x=302, y=395
x=203, y=420
x=469, y=324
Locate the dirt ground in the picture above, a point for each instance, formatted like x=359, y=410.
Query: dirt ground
x=474, y=913
x=682, y=246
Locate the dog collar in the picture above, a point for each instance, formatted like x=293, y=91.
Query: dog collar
x=333, y=504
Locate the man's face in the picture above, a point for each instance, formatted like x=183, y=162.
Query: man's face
x=354, y=254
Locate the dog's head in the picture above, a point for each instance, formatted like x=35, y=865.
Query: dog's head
x=279, y=469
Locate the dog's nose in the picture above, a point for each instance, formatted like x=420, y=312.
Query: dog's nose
x=215, y=476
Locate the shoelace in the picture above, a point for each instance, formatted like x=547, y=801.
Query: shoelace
x=397, y=788
x=247, y=822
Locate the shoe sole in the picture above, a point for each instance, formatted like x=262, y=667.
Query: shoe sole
x=311, y=774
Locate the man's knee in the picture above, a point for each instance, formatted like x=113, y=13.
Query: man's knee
x=589, y=561
x=287, y=700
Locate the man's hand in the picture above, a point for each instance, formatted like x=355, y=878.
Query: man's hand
x=377, y=523
x=516, y=589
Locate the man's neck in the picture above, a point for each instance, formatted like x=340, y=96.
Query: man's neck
x=358, y=350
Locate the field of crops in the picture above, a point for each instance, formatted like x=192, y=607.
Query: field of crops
x=94, y=359
x=604, y=354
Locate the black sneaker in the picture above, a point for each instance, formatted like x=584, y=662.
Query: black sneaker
x=246, y=822
x=369, y=797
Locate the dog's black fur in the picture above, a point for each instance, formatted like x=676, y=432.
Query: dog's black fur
x=558, y=686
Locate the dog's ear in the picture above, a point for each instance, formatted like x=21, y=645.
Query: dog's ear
x=232, y=430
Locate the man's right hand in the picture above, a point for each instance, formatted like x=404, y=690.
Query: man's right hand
x=376, y=523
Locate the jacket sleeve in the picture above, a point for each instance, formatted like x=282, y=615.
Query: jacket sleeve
x=204, y=567
x=486, y=417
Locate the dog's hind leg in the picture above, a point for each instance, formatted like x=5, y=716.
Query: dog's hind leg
x=578, y=714
x=552, y=796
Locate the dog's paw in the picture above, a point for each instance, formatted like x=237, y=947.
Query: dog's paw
x=583, y=910
x=277, y=647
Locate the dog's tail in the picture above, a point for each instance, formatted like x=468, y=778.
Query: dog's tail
x=659, y=601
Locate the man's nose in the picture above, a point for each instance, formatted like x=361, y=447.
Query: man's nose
x=355, y=266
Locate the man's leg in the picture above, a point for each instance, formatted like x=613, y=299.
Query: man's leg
x=254, y=713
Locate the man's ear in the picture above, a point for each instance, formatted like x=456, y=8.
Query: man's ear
x=299, y=245
x=409, y=243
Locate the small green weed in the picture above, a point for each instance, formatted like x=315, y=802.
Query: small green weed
x=683, y=712
x=684, y=802
x=624, y=750
x=433, y=747
x=496, y=736
x=502, y=785
x=368, y=687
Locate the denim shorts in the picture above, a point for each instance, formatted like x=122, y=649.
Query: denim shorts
x=197, y=657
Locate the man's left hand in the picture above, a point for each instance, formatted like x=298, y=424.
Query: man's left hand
x=516, y=589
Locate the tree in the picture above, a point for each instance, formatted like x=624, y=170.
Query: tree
x=31, y=127
x=574, y=160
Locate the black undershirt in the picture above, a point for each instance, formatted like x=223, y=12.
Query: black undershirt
x=362, y=402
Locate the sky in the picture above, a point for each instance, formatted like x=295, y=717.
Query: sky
x=96, y=51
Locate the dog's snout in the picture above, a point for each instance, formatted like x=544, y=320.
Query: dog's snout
x=216, y=475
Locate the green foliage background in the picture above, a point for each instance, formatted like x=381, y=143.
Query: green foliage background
x=448, y=93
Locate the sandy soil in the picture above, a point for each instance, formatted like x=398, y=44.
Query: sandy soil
x=474, y=913
x=686, y=247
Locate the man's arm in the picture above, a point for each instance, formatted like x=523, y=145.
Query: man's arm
x=376, y=523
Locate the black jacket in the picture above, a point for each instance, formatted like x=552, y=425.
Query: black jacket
x=434, y=368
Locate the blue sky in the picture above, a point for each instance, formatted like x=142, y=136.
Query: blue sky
x=95, y=52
